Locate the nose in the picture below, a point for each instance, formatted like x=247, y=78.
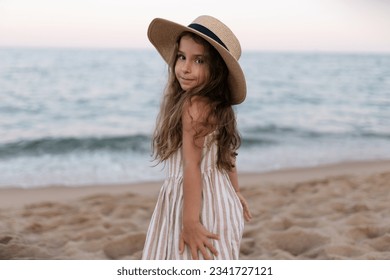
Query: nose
x=186, y=67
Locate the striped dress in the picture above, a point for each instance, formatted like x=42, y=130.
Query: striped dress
x=221, y=211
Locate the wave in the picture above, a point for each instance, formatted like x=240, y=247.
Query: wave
x=57, y=146
x=282, y=130
x=256, y=136
x=276, y=135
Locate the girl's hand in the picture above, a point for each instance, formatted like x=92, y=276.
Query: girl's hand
x=197, y=238
x=247, y=212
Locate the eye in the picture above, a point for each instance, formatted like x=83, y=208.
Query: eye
x=199, y=61
x=180, y=57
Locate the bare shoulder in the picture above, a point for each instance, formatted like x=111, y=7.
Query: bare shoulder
x=197, y=109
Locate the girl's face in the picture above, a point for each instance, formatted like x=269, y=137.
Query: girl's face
x=191, y=69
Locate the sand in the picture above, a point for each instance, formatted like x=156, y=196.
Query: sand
x=339, y=211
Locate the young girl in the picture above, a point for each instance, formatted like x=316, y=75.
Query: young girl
x=200, y=211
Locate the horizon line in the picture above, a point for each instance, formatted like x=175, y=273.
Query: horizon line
x=248, y=50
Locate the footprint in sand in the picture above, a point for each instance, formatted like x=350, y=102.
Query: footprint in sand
x=124, y=246
x=297, y=241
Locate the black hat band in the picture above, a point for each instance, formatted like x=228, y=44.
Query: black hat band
x=207, y=32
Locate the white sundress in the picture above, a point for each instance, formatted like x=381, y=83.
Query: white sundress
x=221, y=211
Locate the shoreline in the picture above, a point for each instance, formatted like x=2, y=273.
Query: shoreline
x=336, y=211
x=20, y=196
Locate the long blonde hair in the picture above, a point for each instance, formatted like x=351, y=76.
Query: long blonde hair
x=167, y=138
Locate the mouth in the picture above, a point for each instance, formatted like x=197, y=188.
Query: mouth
x=184, y=79
x=185, y=83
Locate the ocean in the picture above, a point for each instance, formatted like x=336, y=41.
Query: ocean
x=79, y=117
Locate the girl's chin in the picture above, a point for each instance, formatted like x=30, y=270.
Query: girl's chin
x=185, y=88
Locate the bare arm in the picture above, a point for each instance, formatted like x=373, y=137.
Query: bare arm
x=193, y=234
x=234, y=180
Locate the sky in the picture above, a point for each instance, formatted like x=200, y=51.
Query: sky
x=264, y=25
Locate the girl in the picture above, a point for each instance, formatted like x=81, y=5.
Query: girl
x=200, y=208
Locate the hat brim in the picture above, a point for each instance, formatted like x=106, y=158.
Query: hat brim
x=163, y=34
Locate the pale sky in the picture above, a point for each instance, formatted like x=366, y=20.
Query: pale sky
x=270, y=25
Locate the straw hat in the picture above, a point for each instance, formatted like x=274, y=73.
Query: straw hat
x=163, y=34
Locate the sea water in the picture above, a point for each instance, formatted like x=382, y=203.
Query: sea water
x=77, y=116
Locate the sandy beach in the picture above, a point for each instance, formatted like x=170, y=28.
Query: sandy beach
x=338, y=211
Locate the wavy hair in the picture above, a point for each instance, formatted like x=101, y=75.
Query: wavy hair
x=220, y=117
